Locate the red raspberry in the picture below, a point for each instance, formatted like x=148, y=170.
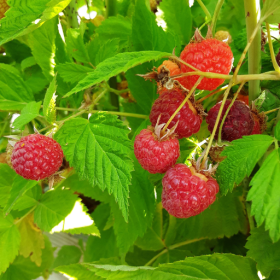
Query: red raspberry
x=171, y=66
x=239, y=121
x=186, y=193
x=166, y=105
x=36, y=157
x=154, y=155
x=257, y=126
x=210, y=55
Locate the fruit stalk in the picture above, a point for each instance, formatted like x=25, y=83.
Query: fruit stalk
x=72, y=15
x=205, y=10
x=227, y=111
x=271, y=50
x=216, y=14
x=211, y=94
x=252, y=12
x=183, y=103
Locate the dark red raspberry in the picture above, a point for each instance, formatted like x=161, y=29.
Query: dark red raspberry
x=257, y=126
x=166, y=105
x=210, y=55
x=186, y=193
x=239, y=121
x=154, y=155
x=36, y=157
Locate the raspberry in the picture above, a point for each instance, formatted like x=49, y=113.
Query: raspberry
x=166, y=105
x=154, y=155
x=187, y=193
x=257, y=126
x=36, y=157
x=171, y=66
x=210, y=55
x=239, y=121
x=223, y=36
x=3, y=8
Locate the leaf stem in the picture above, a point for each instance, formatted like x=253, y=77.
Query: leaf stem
x=216, y=15
x=172, y=247
x=227, y=111
x=183, y=103
x=31, y=210
x=205, y=10
x=271, y=50
x=211, y=93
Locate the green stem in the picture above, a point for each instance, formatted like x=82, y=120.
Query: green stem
x=172, y=247
x=205, y=10
x=72, y=15
x=271, y=111
x=211, y=94
x=216, y=15
x=116, y=91
x=252, y=12
x=6, y=121
x=111, y=8
x=271, y=50
x=227, y=111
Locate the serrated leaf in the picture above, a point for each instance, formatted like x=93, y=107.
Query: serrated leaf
x=28, y=113
x=78, y=222
x=75, y=45
x=9, y=241
x=98, y=149
x=182, y=23
x=271, y=11
x=32, y=239
x=114, y=66
x=216, y=266
x=14, y=93
x=116, y=27
x=265, y=194
x=7, y=175
x=19, y=187
x=242, y=156
x=277, y=131
x=54, y=206
x=42, y=44
x=67, y=255
x=263, y=251
x=25, y=16
x=72, y=72
x=50, y=102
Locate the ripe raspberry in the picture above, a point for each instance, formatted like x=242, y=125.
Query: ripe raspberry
x=187, y=193
x=36, y=157
x=239, y=121
x=166, y=105
x=210, y=55
x=3, y=8
x=155, y=155
x=257, y=126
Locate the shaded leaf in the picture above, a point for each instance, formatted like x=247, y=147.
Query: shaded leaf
x=50, y=102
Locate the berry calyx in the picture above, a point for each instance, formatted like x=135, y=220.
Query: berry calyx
x=187, y=192
x=36, y=157
x=188, y=117
x=208, y=55
x=259, y=121
x=239, y=121
x=156, y=152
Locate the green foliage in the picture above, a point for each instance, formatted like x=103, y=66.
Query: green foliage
x=50, y=102
x=277, y=131
x=67, y=255
x=242, y=156
x=263, y=250
x=271, y=11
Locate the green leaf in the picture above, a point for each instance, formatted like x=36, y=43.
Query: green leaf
x=263, y=251
x=75, y=45
x=14, y=94
x=28, y=113
x=32, y=240
x=115, y=28
x=83, y=225
x=72, y=72
x=187, y=147
x=275, y=275
x=182, y=23
x=216, y=266
x=7, y=175
x=277, y=131
x=147, y=35
x=25, y=16
x=19, y=188
x=271, y=11
x=42, y=44
x=28, y=62
x=98, y=149
x=9, y=241
x=265, y=194
x=50, y=102
x=67, y=255
x=242, y=156
x=114, y=66
x=54, y=206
